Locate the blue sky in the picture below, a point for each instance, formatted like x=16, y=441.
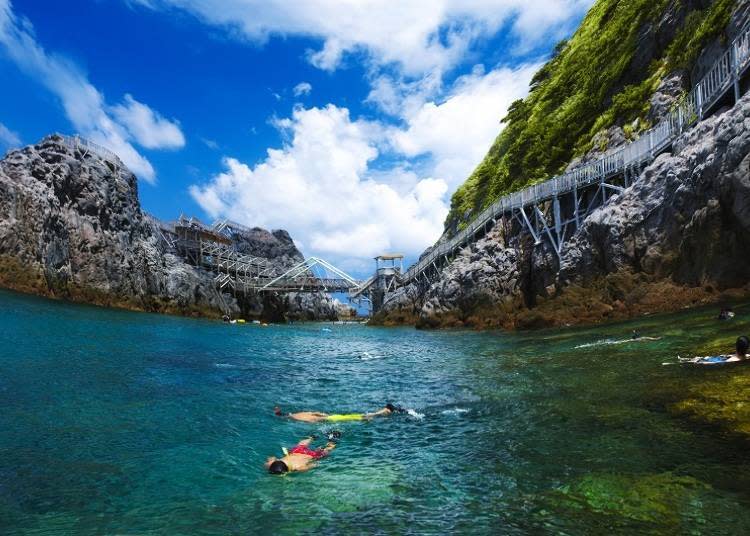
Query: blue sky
x=348, y=123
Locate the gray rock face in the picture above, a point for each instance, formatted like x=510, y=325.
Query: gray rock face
x=487, y=273
x=305, y=306
x=71, y=226
x=277, y=246
x=686, y=220
x=75, y=222
x=670, y=90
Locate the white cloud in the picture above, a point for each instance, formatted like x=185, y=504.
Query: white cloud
x=303, y=88
x=353, y=188
x=8, y=138
x=211, y=144
x=148, y=128
x=457, y=132
x=420, y=35
x=318, y=187
x=345, y=188
x=84, y=105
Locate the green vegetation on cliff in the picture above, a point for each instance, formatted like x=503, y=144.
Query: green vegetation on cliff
x=604, y=75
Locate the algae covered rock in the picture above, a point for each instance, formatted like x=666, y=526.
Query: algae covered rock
x=663, y=501
x=723, y=400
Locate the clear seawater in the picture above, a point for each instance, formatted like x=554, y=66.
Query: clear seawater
x=114, y=422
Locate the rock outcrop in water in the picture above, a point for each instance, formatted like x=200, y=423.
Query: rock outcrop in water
x=680, y=235
x=71, y=226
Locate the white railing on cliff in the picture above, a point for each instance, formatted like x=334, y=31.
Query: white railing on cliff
x=77, y=142
x=724, y=74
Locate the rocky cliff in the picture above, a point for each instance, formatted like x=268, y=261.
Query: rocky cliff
x=679, y=236
x=613, y=78
x=71, y=227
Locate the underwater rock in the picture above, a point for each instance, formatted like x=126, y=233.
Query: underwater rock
x=722, y=401
x=664, y=500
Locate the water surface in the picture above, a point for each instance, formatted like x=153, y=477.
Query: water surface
x=118, y=422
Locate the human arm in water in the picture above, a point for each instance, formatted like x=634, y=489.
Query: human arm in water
x=389, y=409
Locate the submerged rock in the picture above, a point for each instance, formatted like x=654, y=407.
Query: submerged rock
x=721, y=401
x=663, y=500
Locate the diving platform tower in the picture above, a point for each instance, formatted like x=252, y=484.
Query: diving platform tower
x=388, y=270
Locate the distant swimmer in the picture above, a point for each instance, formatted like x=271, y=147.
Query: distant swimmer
x=741, y=346
x=318, y=416
x=301, y=457
x=726, y=313
x=635, y=336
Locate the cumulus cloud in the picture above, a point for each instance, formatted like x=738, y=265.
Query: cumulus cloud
x=148, y=127
x=318, y=187
x=457, y=131
x=303, y=88
x=83, y=104
x=347, y=188
x=8, y=138
x=420, y=36
x=350, y=187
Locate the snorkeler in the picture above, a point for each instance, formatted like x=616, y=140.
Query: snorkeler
x=635, y=336
x=317, y=416
x=741, y=347
x=301, y=457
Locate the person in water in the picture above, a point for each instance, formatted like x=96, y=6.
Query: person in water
x=741, y=346
x=301, y=457
x=318, y=416
x=635, y=336
x=726, y=314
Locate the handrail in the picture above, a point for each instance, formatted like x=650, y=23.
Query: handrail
x=75, y=142
x=704, y=95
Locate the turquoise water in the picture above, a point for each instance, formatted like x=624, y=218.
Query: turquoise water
x=117, y=422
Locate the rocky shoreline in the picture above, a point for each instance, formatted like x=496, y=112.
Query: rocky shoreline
x=71, y=227
x=678, y=237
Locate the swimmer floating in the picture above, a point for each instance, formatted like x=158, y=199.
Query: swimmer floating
x=740, y=356
x=301, y=457
x=319, y=416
